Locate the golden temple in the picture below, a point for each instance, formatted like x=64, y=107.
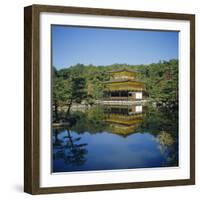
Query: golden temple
x=123, y=86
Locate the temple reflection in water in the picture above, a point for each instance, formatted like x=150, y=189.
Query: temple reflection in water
x=124, y=119
x=111, y=137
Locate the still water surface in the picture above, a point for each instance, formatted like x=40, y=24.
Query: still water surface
x=116, y=137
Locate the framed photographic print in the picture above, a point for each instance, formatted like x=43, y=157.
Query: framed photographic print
x=109, y=99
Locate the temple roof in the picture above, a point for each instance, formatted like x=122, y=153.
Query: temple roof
x=124, y=85
x=122, y=81
x=122, y=70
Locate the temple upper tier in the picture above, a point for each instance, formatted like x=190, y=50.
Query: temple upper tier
x=123, y=85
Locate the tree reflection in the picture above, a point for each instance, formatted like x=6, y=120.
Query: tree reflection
x=69, y=149
x=162, y=123
x=91, y=121
x=168, y=147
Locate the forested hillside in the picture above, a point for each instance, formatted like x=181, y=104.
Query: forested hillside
x=80, y=83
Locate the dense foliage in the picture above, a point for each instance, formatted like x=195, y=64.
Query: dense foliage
x=84, y=83
x=161, y=82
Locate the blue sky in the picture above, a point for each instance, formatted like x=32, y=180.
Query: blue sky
x=100, y=46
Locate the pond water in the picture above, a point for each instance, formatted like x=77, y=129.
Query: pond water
x=116, y=137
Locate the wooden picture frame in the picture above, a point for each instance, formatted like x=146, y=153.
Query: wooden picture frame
x=32, y=105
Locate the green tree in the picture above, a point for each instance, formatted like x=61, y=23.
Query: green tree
x=75, y=91
x=60, y=96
